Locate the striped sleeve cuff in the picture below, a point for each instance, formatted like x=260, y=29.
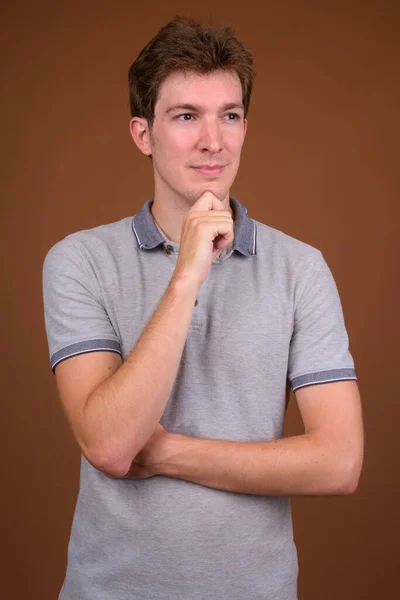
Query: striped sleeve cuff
x=83, y=348
x=323, y=377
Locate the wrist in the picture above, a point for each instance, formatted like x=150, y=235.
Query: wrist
x=184, y=283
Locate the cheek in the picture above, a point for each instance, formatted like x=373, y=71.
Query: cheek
x=183, y=141
x=233, y=142
x=177, y=146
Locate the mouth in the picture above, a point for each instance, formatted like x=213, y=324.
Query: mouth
x=210, y=171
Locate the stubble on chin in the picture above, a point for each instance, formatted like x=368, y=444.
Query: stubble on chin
x=194, y=195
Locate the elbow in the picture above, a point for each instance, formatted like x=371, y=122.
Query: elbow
x=109, y=463
x=350, y=480
x=355, y=469
x=349, y=487
x=113, y=469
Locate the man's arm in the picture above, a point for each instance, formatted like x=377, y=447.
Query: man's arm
x=325, y=460
x=114, y=408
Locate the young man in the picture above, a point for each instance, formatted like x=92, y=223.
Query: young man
x=193, y=314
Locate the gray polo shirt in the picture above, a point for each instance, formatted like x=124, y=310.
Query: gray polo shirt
x=267, y=318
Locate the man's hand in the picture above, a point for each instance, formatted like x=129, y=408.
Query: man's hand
x=206, y=229
x=146, y=462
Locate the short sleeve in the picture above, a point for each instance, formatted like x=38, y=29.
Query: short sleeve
x=76, y=321
x=319, y=347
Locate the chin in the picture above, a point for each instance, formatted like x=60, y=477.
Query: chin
x=219, y=192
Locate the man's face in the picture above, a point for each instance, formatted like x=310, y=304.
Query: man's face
x=199, y=123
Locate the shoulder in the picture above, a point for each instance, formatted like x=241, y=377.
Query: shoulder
x=284, y=250
x=95, y=243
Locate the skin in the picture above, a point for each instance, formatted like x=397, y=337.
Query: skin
x=327, y=458
x=179, y=142
x=145, y=463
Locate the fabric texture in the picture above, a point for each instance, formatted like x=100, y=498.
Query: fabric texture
x=268, y=319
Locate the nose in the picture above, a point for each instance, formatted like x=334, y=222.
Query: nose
x=211, y=137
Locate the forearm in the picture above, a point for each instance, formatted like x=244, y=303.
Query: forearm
x=124, y=410
x=299, y=465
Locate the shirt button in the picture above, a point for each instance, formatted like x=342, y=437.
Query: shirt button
x=169, y=249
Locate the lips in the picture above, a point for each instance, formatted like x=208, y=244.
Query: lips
x=207, y=170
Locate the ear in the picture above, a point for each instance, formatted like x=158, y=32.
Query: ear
x=140, y=133
x=245, y=126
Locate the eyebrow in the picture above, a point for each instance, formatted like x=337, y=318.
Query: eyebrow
x=195, y=108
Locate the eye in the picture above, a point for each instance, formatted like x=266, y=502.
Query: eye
x=185, y=115
x=234, y=115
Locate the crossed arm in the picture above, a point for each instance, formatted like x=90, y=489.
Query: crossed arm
x=325, y=460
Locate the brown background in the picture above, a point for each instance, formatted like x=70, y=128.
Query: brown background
x=318, y=164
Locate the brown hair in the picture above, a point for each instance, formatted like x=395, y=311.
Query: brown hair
x=186, y=45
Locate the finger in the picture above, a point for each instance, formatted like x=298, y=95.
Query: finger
x=208, y=201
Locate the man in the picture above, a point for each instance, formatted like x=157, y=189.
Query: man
x=193, y=314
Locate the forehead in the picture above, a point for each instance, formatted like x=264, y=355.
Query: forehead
x=211, y=89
